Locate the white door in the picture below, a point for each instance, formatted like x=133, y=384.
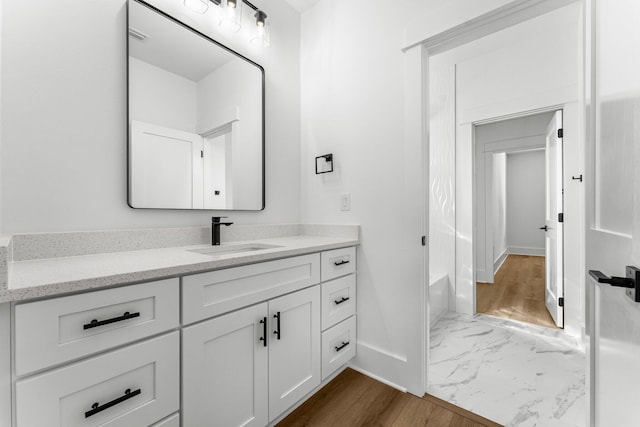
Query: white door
x=294, y=348
x=224, y=370
x=165, y=168
x=554, y=262
x=613, y=206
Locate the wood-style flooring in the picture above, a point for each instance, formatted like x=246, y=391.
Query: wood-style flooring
x=353, y=400
x=517, y=292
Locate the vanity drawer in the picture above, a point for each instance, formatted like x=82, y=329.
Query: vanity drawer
x=59, y=330
x=338, y=262
x=338, y=300
x=210, y=294
x=338, y=346
x=67, y=396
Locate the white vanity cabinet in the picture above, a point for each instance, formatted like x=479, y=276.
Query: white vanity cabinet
x=225, y=370
x=246, y=367
x=238, y=346
x=103, y=358
x=338, y=309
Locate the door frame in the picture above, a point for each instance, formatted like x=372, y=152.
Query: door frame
x=417, y=54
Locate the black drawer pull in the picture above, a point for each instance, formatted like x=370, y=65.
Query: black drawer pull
x=340, y=301
x=277, y=331
x=263, y=338
x=95, y=323
x=338, y=263
x=96, y=408
x=344, y=344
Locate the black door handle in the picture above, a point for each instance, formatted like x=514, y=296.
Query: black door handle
x=631, y=282
x=621, y=282
x=545, y=228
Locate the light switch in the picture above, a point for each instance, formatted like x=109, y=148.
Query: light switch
x=345, y=202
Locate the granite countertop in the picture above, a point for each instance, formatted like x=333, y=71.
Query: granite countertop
x=53, y=276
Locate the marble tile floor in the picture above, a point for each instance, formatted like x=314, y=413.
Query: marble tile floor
x=510, y=372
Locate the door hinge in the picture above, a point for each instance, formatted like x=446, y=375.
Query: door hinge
x=424, y=240
x=561, y=301
x=201, y=153
x=560, y=217
x=560, y=133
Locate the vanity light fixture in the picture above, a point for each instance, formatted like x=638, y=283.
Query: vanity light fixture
x=262, y=32
x=232, y=17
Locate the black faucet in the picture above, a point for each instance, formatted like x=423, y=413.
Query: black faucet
x=215, y=229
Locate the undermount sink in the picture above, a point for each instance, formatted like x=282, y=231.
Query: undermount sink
x=233, y=249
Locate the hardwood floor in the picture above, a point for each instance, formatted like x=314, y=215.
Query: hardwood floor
x=353, y=399
x=517, y=292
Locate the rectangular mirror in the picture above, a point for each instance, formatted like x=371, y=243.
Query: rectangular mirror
x=196, y=118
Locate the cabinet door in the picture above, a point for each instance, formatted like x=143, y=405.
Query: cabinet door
x=294, y=348
x=224, y=370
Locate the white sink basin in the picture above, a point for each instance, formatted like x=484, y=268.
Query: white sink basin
x=233, y=249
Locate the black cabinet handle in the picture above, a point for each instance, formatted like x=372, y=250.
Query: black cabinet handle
x=545, y=228
x=277, y=331
x=264, y=331
x=96, y=408
x=95, y=323
x=344, y=344
x=337, y=263
x=340, y=301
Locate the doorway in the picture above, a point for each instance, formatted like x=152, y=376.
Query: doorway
x=519, y=239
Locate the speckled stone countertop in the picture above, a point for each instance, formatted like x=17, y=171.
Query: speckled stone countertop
x=37, y=278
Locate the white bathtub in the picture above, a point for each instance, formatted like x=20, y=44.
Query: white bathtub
x=438, y=296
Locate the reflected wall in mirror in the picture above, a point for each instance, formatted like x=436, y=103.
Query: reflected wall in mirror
x=196, y=118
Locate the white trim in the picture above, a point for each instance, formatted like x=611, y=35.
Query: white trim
x=392, y=368
x=522, y=250
x=380, y=379
x=501, y=259
x=5, y=366
x=471, y=20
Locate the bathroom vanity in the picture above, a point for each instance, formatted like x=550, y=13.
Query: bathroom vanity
x=239, y=334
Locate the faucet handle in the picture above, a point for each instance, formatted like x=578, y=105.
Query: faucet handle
x=217, y=218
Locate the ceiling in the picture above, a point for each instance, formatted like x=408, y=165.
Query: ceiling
x=302, y=5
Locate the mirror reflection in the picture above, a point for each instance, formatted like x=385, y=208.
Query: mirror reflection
x=196, y=119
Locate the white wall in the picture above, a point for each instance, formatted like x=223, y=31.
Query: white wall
x=442, y=166
x=526, y=202
x=499, y=208
x=161, y=98
x=64, y=117
x=353, y=105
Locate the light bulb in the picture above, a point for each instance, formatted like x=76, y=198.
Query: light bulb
x=261, y=35
x=231, y=15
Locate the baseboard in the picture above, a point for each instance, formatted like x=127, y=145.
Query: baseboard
x=519, y=250
x=380, y=365
x=481, y=276
x=498, y=262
